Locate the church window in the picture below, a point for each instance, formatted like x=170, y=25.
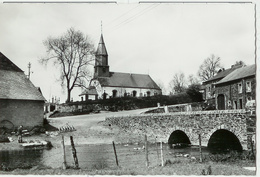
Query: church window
x=134, y=93
x=114, y=93
x=148, y=93
x=104, y=69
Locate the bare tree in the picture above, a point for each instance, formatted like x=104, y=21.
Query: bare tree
x=161, y=85
x=72, y=53
x=192, y=80
x=178, y=83
x=209, y=67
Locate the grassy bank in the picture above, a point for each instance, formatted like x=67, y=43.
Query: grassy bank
x=178, y=167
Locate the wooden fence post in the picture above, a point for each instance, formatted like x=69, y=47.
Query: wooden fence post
x=114, y=147
x=158, y=159
x=64, y=164
x=162, y=154
x=200, y=148
x=146, y=151
x=74, y=152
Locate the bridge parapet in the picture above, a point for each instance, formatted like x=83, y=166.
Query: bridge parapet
x=192, y=123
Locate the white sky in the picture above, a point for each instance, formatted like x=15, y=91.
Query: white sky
x=159, y=39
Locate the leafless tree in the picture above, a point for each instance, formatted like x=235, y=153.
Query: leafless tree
x=192, y=80
x=178, y=83
x=72, y=53
x=209, y=67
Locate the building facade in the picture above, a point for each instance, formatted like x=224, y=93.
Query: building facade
x=116, y=84
x=236, y=89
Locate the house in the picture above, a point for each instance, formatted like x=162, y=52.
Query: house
x=209, y=85
x=236, y=89
x=115, y=84
x=21, y=103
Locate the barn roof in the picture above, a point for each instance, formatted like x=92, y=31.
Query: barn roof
x=14, y=83
x=240, y=73
x=117, y=79
x=223, y=73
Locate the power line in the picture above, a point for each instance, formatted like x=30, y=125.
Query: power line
x=122, y=15
x=135, y=16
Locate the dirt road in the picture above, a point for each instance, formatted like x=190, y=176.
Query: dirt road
x=89, y=128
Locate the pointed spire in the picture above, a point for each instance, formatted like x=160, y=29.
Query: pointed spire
x=101, y=49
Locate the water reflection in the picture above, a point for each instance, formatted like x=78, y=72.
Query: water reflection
x=12, y=159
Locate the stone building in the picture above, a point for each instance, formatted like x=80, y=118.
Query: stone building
x=236, y=89
x=21, y=103
x=115, y=84
x=209, y=85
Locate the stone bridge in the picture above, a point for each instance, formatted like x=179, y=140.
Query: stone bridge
x=232, y=128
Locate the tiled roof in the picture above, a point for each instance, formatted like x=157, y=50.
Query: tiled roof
x=240, y=73
x=223, y=74
x=14, y=84
x=89, y=91
x=6, y=64
x=117, y=79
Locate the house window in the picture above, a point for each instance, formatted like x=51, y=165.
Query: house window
x=239, y=88
x=248, y=86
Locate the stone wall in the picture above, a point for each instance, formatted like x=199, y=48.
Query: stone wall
x=161, y=126
x=22, y=112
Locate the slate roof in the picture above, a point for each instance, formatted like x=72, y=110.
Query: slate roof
x=14, y=83
x=223, y=74
x=240, y=73
x=117, y=79
x=89, y=91
x=101, y=49
x=6, y=64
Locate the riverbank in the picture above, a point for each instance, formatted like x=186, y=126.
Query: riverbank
x=91, y=130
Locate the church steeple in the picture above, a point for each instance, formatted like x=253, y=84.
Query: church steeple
x=101, y=62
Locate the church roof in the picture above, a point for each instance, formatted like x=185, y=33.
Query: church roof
x=101, y=49
x=14, y=84
x=240, y=73
x=117, y=79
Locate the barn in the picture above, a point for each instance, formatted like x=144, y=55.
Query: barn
x=21, y=103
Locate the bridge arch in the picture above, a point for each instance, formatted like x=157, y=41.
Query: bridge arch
x=223, y=139
x=178, y=137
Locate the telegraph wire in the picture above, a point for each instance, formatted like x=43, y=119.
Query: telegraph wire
x=117, y=18
x=135, y=16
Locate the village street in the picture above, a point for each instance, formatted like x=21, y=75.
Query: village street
x=89, y=127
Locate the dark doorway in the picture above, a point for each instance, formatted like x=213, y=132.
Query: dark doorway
x=221, y=102
x=224, y=141
x=240, y=104
x=178, y=138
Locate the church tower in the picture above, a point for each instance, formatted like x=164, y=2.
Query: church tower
x=101, y=60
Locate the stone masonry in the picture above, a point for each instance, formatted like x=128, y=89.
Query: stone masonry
x=161, y=126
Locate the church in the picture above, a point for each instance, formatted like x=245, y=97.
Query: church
x=107, y=84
